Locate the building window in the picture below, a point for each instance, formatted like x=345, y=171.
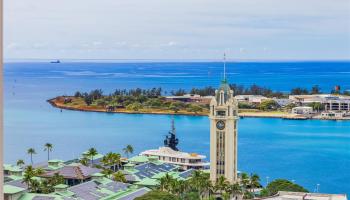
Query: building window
x=221, y=113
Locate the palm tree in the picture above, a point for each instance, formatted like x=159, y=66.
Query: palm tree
x=222, y=184
x=235, y=189
x=254, y=182
x=119, y=176
x=92, y=152
x=111, y=159
x=20, y=163
x=128, y=150
x=107, y=172
x=39, y=171
x=116, y=161
x=165, y=182
x=84, y=161
x=48, y=148
x=29, y=173
x=200, y=182
x=56, y=179
x=245, y=180
x=31, y=151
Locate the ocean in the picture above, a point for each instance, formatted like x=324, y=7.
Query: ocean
x=308, y=152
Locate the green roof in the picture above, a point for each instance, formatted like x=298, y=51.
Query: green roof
x=98, y=174
x=124, y=193
x=10, y=189
x=66, y=193
x=12, y=168
x=55, y=160
x=61, y=186
x=103, y=180
x=139, y=159
x=148, y=182
x=30, y=196
x=13, y=177
x=129, y=165
x=174, y=175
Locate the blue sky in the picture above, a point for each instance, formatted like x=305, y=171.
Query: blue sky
x=181, y=29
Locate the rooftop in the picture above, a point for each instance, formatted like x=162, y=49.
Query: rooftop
x=10, y=189
x=166, y=151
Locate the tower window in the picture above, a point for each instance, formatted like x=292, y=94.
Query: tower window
x=221, y=113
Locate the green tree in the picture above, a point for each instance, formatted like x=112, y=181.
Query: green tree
x=92, y=152
x=236, y=189
x=31, y=151
x=119, y=176
x=84, y=161
x=166, y=182
x=56, y=179
x=174, y=108
x=315, y=89
x=111, y=159
x=283, y=185
x=88, y=99
x=316, y=106
x=268, y=105
x=28, y=178
x=222, y=185
x=128, y=150
x=299, y=91
x=134, y=106
x=107, y=172
x=194, y=108
x=48, y=148
x=20, y=163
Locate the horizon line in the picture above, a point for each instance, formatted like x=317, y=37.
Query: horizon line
x=170, y=60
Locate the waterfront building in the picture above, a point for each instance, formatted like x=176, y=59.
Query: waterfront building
x=331, y=102
x=332, y=114
x=169, y=153
x=223, y=133
x=302, y=110
x=253, y=99
x=190, y=98
x=183, y=159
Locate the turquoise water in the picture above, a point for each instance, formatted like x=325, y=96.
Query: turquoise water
x=309, y=152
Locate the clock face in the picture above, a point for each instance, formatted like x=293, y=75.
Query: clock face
x=220, y=125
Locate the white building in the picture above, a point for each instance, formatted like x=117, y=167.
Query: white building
x=332, y=114
x=302, y=110
x=254, y=99
x=330, y=102
x=223, y=134
x=184, y=160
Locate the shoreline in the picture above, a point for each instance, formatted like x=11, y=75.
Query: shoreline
x=280, y=115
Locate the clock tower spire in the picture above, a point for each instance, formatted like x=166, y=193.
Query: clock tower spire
x=223, y=133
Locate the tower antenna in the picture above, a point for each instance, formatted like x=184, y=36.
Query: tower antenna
x=173, y=125
x=224, y=67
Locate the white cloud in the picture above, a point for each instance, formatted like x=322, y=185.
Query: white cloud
x=148, y=29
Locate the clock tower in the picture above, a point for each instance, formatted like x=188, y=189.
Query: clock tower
x=223, y=134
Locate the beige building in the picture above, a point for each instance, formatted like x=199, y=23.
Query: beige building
x=223, y=134
x=183, y=159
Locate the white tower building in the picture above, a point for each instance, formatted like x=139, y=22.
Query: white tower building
x=223, y=133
